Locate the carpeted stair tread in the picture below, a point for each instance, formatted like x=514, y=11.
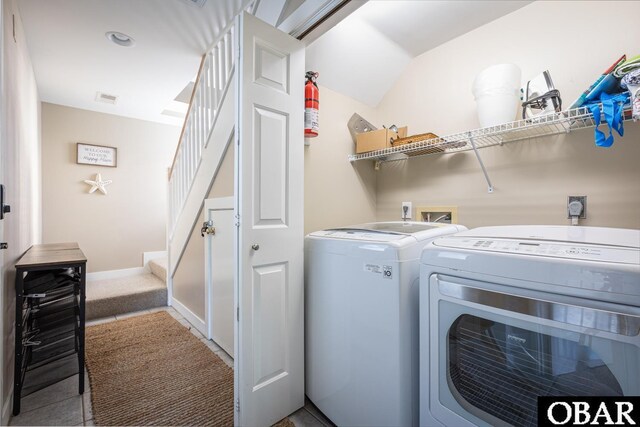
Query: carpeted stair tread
x=124, y=295
x=158, y=267
x=108, y=288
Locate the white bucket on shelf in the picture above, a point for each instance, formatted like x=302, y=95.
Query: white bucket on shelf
x=497, y=93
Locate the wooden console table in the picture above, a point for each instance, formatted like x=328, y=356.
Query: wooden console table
x=50, y=312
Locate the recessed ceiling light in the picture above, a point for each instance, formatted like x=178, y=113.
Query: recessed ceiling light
x=120, y=39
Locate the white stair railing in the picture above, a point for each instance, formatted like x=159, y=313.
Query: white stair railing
x=213, y=79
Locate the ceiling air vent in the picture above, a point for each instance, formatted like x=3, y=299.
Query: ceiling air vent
x=172, y=113
x=106, y=98
x=198, y=3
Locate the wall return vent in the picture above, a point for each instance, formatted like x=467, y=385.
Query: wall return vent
x=106, y=98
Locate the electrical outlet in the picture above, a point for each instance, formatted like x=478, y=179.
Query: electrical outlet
x=581, y=199
x=406, y=211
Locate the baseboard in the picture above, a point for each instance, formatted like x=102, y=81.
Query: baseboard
x=116, y=274
x=148, y=256
x=190, y=316
x=6, y=407
x=169, y=290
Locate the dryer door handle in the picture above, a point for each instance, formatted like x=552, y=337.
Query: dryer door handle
x=607, y=321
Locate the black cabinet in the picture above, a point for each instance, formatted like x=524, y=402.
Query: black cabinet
x=49, y=328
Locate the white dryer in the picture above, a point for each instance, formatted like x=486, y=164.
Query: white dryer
x=361, y=310
x=508, y=314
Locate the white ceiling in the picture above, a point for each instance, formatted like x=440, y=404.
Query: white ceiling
x=73, y=59
x=366, y=53
x=362, y=56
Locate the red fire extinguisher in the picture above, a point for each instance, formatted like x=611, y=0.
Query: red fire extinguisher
x=311, y=105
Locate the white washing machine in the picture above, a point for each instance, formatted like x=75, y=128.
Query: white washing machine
x=508, y=314
x=361, y=311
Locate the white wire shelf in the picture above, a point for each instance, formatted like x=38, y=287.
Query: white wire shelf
x=546, y=125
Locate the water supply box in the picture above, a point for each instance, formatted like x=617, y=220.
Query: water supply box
x=377, y=139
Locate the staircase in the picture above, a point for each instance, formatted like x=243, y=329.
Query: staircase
x=111, y=297
x=207, y=133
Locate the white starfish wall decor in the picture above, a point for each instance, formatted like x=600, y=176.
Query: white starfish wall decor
x=98, y=184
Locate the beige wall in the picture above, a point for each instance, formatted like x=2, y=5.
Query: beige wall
x=20, y=173
x=114, y=229
x=337, y=192
x=532, y=179
x=188, y=280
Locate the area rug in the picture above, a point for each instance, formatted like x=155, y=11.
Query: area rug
x=150, y=370
x=285, y=422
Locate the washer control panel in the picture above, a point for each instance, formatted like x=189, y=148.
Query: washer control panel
x=579, y=251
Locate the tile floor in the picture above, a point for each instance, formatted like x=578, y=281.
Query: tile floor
x=60, y=404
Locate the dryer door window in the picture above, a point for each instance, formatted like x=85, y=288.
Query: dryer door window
x=500, y=370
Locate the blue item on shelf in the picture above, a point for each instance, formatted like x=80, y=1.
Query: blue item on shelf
x=613, y=109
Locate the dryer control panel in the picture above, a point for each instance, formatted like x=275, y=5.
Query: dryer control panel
x=545, y=248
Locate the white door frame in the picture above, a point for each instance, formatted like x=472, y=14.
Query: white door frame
x=2, y=180
x=219, y=203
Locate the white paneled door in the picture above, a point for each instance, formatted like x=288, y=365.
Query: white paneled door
x=219, y=271
x=269, y=362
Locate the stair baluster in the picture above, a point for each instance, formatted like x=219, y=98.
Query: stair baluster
x=213, y=78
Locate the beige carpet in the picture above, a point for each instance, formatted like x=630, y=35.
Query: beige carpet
x=109, y=297
x=150, y=370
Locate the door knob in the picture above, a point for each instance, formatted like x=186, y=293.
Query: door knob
x=207, y=228
x=255, y=246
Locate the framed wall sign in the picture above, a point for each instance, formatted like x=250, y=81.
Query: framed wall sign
x=97, y=155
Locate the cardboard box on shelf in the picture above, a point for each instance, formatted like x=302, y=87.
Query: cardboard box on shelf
x=377, y=139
